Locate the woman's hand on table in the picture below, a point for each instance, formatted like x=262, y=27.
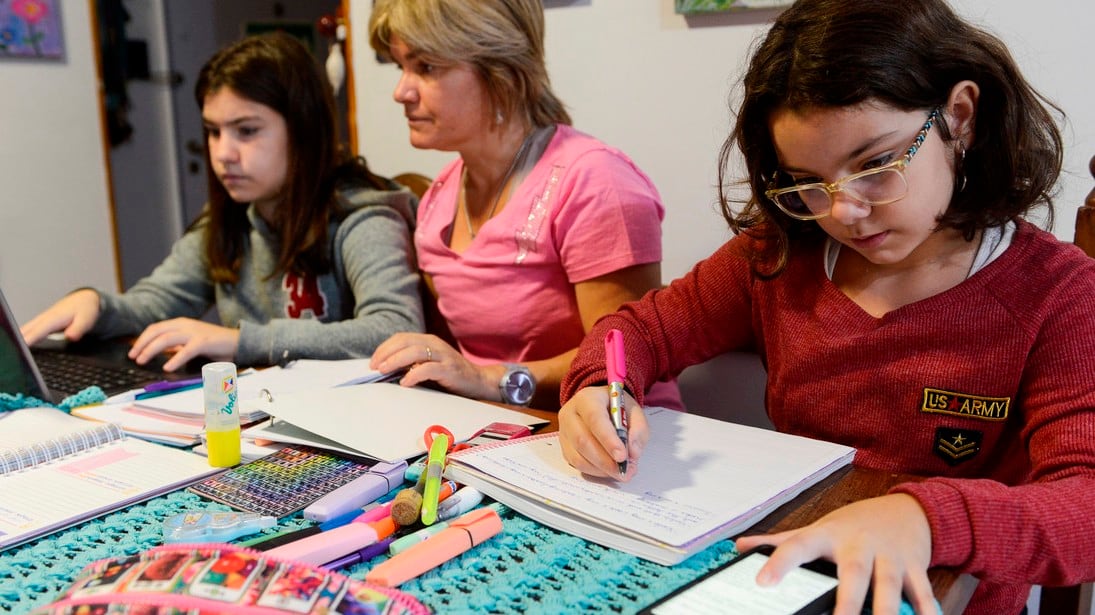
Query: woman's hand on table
x=428, y=358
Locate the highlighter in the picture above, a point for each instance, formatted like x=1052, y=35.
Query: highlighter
x=616, y=368
x=461, y=502
x=403, y=543
x=328, y=546
x=463, y=533
x=381, y=478
x=435, y=464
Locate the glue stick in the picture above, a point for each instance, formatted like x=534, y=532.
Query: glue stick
x=222, y=419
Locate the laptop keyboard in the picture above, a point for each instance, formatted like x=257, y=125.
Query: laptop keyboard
x=64, y=372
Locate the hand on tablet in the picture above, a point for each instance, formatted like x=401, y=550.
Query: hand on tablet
x=882, y=543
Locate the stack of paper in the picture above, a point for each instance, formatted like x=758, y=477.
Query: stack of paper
x=178, y=418
x=385, y=421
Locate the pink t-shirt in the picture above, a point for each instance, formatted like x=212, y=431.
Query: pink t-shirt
x=583, y=211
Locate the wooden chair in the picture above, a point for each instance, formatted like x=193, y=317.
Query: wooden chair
x=418, y=183
x=1085, y=220
x=435, y=322
x=1075, y=598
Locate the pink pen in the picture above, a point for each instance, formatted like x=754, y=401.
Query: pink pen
x=616, y=367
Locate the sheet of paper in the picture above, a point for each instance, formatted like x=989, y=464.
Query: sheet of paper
x=252, y=388
x=385, y=420
x=20, y=428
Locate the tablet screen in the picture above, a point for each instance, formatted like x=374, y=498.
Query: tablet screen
x=733, y=589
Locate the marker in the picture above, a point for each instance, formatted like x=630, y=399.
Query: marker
x=362, y=555
x=403, y=543
x=461, y=502
x=616, y=367
x=377, y=513
x=172, y=385
x=379, y=480
x=333, y=544
x=266, y=542
x=462, y=534
x=435, y=464
x=124, y=397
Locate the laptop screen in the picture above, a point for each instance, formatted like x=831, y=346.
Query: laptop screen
x=18, y=373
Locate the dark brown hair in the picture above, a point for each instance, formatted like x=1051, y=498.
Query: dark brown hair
x=277, y=70
x=908, y=55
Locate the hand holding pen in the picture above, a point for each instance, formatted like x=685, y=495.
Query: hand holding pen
x=616, y=366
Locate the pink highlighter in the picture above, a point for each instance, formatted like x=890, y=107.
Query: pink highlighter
x=616, y=367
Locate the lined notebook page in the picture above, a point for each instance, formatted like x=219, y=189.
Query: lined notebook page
x=59, y=491
x=697, y=477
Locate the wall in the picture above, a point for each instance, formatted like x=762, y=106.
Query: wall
x=657, y=85
x=144, y=168
x=55, y=218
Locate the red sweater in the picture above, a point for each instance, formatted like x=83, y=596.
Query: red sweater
x=987, y=387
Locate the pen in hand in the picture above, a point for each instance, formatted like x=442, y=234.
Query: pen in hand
x=617, y=372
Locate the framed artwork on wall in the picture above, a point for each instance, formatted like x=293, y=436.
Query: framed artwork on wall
x=688, y=7
x=31, y=29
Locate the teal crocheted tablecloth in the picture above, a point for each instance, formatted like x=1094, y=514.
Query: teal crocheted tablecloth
x=528, y=568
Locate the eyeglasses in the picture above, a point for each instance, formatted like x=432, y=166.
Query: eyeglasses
x=878, y=186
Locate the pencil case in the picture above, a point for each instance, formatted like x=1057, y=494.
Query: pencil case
x=219, y=578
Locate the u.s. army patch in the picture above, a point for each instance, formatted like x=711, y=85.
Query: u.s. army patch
x=956, y=445
x=966, y=406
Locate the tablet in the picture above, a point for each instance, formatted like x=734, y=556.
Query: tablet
x=731, y=588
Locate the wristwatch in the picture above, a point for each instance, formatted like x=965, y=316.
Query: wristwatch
x=517, y=385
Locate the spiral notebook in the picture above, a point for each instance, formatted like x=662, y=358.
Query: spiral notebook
x=699, y=481
x=57, y=470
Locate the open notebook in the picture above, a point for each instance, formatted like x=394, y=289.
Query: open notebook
x=699, y=481
x=57, y=470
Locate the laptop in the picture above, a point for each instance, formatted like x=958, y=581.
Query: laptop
x=56, y=369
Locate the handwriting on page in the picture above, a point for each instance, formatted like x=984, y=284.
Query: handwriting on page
x=630, y=505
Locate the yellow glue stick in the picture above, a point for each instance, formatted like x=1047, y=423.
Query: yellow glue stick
x=222, y=419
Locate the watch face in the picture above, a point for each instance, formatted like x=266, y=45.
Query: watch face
x=518, y=387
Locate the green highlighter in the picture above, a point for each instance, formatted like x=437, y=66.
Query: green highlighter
x=435, y=464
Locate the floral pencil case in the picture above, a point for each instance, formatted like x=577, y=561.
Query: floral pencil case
x=218, y=578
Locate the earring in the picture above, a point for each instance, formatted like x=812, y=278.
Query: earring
x=959, y=168
x=499, y=118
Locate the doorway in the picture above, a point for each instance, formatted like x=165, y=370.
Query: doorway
x=158, y=174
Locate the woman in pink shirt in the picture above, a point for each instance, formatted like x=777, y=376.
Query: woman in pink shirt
x=535, y=231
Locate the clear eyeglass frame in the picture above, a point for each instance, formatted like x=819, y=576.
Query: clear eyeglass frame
x=781, y=197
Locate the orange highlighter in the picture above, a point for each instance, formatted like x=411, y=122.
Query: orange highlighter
x=463, y=533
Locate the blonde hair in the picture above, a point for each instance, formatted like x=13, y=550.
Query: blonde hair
x=503, y=40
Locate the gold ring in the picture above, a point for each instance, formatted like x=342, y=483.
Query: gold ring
x=429, y=354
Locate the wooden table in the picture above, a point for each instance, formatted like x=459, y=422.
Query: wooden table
x=843, y=487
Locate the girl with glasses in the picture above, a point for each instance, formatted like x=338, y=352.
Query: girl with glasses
x=884, y=268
